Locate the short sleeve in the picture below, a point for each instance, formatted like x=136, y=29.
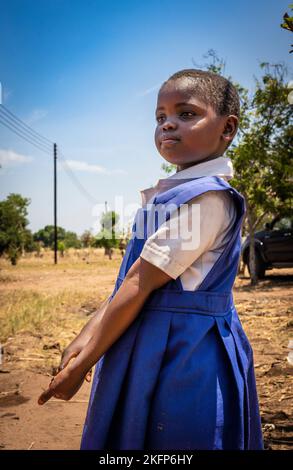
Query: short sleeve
x=201, y=226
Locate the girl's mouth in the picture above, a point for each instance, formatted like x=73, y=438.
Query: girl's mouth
x=169, y=142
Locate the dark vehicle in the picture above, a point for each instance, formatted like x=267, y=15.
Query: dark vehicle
x=273, y=246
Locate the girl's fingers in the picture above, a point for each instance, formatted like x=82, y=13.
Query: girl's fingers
x=65, y=361
x=88, y=376
x=46, y=395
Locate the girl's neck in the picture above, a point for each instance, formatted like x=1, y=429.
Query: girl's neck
x=189, y=164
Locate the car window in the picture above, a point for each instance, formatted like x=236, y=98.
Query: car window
x=283, y=224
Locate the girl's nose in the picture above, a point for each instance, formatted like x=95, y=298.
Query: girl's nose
x=169, y=124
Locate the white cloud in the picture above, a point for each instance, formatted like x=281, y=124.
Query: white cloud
x=9, y=158
x=76, y=165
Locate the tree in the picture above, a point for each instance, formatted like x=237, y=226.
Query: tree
x=261, y=153
x=106, y=238
x=46, y=236
x=288, y=23
x=71, y=240
x=61, y=247
x=29, y=243
x=261, y=160
x=13, y=222
x=87, y=239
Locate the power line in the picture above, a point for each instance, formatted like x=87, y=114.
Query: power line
x=16, y=131
x=27, y=133
x=24, y=136
x=23, y=131
x=76, y=181
x=25, y=126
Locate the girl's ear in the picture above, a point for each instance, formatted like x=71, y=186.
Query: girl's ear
x=230, y=128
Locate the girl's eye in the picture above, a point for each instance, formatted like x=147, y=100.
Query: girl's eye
x=187, y=114
x=184, y=114
x=159, y=118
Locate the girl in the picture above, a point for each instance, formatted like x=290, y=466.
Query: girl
x=174, y=368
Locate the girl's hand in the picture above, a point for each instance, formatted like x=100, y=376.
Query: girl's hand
x=72, y=351
x=82, y=339
x=63, y=386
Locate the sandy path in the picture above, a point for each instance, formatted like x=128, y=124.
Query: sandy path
x=26, y=425
x=266, y=314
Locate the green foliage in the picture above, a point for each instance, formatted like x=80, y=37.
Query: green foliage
x=109, y=220
x=168, y=168
x=262, y=158
x=288, y=22
x=14, y=235
x=61, y=247
x=46, y=236
x=107, y=237
x=29, y=243
x=71, y=240
x=262, y=150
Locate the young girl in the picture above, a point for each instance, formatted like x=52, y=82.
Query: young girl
x=174, y=368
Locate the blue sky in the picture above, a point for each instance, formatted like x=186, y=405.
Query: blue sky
x=85, y=74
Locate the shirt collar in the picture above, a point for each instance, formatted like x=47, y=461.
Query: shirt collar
x=220, y=166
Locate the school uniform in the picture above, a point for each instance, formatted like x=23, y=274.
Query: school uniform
x=216, y=218
x=181, y=376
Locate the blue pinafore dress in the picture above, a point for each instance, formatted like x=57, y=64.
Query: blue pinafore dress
x=181, y=377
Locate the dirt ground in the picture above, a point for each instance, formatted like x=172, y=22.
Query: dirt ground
x=30, y=354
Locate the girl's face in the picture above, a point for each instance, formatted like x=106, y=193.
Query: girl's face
x=188, y=130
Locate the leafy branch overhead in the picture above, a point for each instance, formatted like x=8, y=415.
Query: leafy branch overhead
x=261, y=153
x=288, y=22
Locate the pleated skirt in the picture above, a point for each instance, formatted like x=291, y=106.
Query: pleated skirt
x=175, y=381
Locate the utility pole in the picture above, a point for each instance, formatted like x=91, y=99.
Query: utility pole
x=55, y=204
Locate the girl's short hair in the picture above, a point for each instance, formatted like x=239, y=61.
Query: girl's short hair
x=212, y=89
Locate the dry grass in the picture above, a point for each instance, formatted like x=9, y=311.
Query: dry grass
x=39, y=297
x=36, y=312
x=43, y=306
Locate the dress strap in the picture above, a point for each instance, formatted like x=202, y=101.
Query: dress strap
x=183, y=193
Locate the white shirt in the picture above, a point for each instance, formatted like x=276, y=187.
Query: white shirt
x=178, y=256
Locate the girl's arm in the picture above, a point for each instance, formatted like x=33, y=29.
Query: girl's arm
x=79, y=342
x=141, y=279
